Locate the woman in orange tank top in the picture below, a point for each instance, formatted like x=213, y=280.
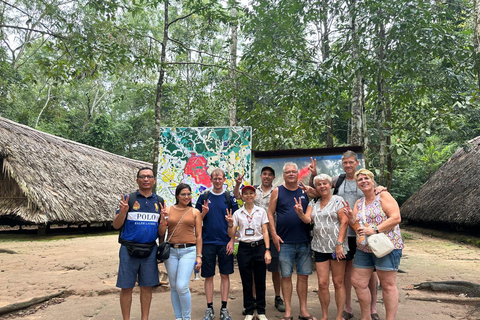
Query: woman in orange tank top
x=183, y=225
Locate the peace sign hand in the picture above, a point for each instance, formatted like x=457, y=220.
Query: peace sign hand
x=313, y=166
x=347, y=210
x=298, y=206
x=205, y=207
x=124, y=204
x=163, y=211
x=239, y=179
x=229, y=216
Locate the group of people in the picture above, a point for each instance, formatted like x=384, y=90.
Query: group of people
x=277, y=230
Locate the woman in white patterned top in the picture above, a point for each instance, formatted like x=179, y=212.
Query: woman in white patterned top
x=329, y=241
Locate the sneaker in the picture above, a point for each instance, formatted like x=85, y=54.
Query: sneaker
x=224, y=314
x=249, y=317
x=261, y=317
x=279, y=304
x=209, y=314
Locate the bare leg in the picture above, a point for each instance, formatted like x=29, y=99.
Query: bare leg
x=302, y=290
x=338, y=274
x=224, y=286
x=389, y=292
x=323, y=276
x=287, y=289
x=373, y=292
x=360, y=280
x=277, y=280
x=209, y=289
x=348, y=286
x=145, y=301
x=126, y=302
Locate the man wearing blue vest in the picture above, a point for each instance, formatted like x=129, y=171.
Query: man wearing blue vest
x=139, y=222
x=290, y=236
x=213, y=205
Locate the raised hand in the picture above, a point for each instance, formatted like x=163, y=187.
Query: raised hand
x=313, y=166
x=205, y=207
x=298, y=206
x=124, y=204
x=163, y=211
x=239, y=179
x=308, y=190
x=229, y=216
x=347, y=210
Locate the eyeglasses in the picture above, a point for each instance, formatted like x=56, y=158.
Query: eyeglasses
x=290, y=172
x=185, y=194
x=145, y=177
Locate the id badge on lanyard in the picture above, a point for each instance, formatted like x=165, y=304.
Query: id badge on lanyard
x=249, y=231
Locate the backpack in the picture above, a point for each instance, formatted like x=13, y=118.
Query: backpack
x=339, y=182
x=131, y=201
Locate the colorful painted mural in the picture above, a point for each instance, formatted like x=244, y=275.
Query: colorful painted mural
x=189, y=155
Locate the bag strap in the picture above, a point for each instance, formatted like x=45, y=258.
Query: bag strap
x=228, y=198
x=177, y=222
x=339, y=182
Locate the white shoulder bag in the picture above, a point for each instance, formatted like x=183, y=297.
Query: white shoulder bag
x=379, y=243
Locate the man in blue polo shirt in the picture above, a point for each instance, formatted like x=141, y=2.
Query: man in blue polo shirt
x=213, y=205
x=139, y=225
x=290, y=236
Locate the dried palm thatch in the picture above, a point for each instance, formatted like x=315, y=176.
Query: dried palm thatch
x=47, y=179
x=451, y=196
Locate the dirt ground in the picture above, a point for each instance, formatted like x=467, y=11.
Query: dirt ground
x=85, y=268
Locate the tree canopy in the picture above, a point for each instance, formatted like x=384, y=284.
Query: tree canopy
x=399, y=77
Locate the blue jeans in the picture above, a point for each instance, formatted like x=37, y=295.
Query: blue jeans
x=179, y=268
x=298, y=253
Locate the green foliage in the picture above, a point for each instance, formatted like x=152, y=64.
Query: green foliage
x=88, y=71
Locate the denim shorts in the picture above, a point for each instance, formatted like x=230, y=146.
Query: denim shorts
x=129, y=268
x=298, y=253
x=367, y=260
x=209, y=260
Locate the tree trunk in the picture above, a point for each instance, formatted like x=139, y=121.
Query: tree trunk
x=233, y=67
x=158, y=98
x=325, y=56
x=476, y=38
x=384, y=108
x=357, y=125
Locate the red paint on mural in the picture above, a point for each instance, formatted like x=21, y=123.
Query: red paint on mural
x=197, y=168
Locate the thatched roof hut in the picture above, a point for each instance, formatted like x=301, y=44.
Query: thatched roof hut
x=47, y=179
x=451, y=196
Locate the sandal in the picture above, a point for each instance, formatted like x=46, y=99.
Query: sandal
x=306, y=318
x=347, y=315
x=375, y=316
x=287, y=318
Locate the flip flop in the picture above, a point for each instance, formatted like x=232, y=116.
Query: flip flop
x=306, y=318
x=375, y=316
x=347, y=315
x=287, y=318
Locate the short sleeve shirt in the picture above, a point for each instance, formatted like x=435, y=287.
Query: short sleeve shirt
x=255, y=220
x=349, y=191
x=326, y=225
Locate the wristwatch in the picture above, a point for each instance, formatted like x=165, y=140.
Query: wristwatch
x=339, y=243
x=200, y=255
x=376, y=229
x=267, y=249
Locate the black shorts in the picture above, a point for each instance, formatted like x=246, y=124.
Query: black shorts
x=209, y=260
x=322, y=257
x=352, y=246
x=274, y=265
